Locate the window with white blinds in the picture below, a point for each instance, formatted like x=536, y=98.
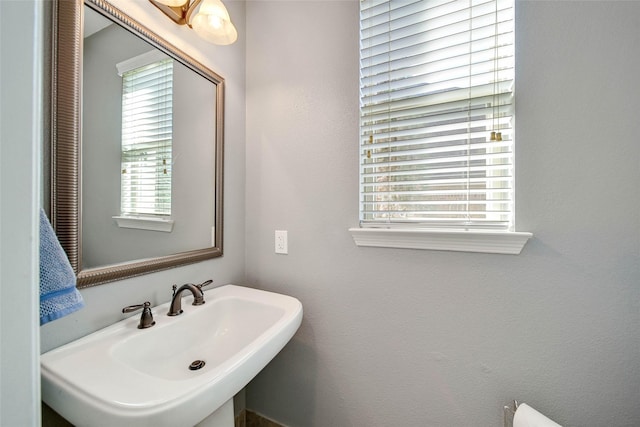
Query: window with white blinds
x=147, y=104
x=436, y=128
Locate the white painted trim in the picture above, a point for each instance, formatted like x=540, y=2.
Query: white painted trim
x=145, y=223
x=140, y=61
x=495, y=242
x=21, y=133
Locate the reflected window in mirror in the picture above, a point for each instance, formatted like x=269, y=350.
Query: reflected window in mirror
x=147, y=134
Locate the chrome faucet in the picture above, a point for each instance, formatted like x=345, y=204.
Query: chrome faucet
x=196, y=290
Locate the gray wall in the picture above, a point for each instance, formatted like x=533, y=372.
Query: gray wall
x=422, y=338
x=104, y=303
x=193, y=170
x=404, y=337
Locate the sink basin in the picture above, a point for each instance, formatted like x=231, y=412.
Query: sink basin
x=122, y=375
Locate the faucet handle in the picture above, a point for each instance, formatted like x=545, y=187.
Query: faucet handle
x=130, y=308
x=203, y=284
x=146, y=319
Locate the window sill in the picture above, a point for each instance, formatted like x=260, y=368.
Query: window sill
x=494, y=242
x=145, y=223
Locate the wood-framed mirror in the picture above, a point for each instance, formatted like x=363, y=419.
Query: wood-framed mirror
x=91, y=183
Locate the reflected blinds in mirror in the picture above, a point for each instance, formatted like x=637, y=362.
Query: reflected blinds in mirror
x=436, y=85
x=147, y=123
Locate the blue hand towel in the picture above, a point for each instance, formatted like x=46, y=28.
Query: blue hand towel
x=58, y=293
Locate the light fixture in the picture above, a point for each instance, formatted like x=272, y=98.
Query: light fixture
x=208, y=18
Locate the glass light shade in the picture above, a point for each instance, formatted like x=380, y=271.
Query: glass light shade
x=215, y=8
x=212, y=23
x=173, y=3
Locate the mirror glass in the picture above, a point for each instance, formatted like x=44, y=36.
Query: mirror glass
x=148, y=171
x=176, y=113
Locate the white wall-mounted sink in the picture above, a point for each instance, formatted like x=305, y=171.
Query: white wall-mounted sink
x=122, y=375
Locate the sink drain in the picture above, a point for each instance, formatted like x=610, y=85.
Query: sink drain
x=196, y=364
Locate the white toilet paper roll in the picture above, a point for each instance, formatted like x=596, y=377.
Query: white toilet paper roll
x=526, y=416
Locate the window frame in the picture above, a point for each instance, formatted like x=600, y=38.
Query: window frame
x=420, y=235
x=161, y=220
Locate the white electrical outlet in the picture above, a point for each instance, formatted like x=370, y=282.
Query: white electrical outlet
x=282, y=247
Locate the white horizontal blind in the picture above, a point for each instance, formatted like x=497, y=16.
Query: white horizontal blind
x=147, y=131
x=436, y=78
